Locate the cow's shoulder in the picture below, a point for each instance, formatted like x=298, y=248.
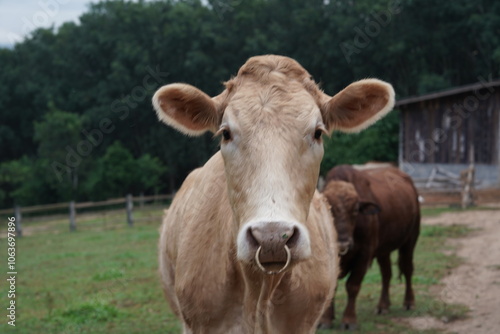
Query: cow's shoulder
x=205, y=262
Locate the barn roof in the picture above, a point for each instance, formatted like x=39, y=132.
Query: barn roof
x=448, y=92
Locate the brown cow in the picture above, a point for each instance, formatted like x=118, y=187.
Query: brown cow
x=248, y=245
x=375, y=212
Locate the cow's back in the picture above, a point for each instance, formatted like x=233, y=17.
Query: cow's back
x=397, y=197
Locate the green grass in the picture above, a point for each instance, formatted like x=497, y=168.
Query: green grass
x=90, y=282
x=106, y=281
x=436, y=211
x=98, y=220
x=452, y=231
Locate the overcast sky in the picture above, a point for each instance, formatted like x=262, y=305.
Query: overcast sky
x=19, y=17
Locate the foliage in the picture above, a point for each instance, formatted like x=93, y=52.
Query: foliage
x=52, y=134
x=117, y=172
x=98, y=76
x=377, y=143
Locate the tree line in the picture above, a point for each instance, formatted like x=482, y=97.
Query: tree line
x=75, y=110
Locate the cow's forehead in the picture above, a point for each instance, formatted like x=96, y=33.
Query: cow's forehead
x=275, y=82
x=343, y=193
x=289, y=106
x=269, y=68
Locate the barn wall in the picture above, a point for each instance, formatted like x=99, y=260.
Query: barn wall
x=487, y=176
x=442, y=130
x=498, y=148
x=446, y=131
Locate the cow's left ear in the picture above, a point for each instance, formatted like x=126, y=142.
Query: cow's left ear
x=187, y=109
x=357, y=106
x=368, y=208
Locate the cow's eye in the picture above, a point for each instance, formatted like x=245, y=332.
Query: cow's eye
x=317, y=134
x=226, y=134
x=319, y=131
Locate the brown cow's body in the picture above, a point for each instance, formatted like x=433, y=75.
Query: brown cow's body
x=248, y=244
x=374, y=234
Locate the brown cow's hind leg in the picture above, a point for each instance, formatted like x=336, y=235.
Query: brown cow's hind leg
x=384, y=262
x=405, y=263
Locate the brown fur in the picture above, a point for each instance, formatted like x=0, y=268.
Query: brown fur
x=373, y=235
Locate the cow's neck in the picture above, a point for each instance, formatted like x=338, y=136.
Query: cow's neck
x=260, y=294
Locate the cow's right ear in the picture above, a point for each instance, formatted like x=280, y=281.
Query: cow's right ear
x=187, y=109
x=368, y=208
x=357, y=106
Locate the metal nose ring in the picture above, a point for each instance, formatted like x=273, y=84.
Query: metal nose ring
x=270, y=272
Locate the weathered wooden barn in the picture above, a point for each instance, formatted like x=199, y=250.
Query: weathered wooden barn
x=440, y=134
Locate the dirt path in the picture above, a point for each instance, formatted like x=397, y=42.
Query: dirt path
x=475, y=283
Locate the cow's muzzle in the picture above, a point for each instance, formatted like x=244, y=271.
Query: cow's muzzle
x=273, y=246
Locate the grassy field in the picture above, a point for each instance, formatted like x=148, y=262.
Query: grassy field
x=105, y=281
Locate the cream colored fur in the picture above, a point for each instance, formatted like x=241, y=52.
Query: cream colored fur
x=214, y=293
x=265, y=172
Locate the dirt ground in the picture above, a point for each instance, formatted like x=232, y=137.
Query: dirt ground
x=475, y=283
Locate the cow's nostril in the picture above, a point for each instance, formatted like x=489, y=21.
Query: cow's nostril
x=251, y=238
x=292, y=239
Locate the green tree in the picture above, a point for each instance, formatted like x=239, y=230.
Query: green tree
x=377, y=143
x=55, y=134
x=117, y=173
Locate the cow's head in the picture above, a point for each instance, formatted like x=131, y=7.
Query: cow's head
x=270, y=120
x=346, y=205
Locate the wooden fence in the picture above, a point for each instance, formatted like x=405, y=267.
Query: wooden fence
x=73, y=207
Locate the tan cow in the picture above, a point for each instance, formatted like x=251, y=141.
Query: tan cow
x=248, y=245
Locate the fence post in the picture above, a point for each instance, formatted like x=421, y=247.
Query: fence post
x=130, y=206
x=141, y=200
x=17, y=214
x=72, y=216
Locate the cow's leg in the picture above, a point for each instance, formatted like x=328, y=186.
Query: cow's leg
x=405, y=263
x=326, y=321
x=327, y=318
x=353, y=286
x=384, y=262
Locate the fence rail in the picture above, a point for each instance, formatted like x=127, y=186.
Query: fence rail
x=127, y=202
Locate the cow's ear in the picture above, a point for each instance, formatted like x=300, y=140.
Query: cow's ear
x=187, y=109
x=368, y=208
x=357, y=106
